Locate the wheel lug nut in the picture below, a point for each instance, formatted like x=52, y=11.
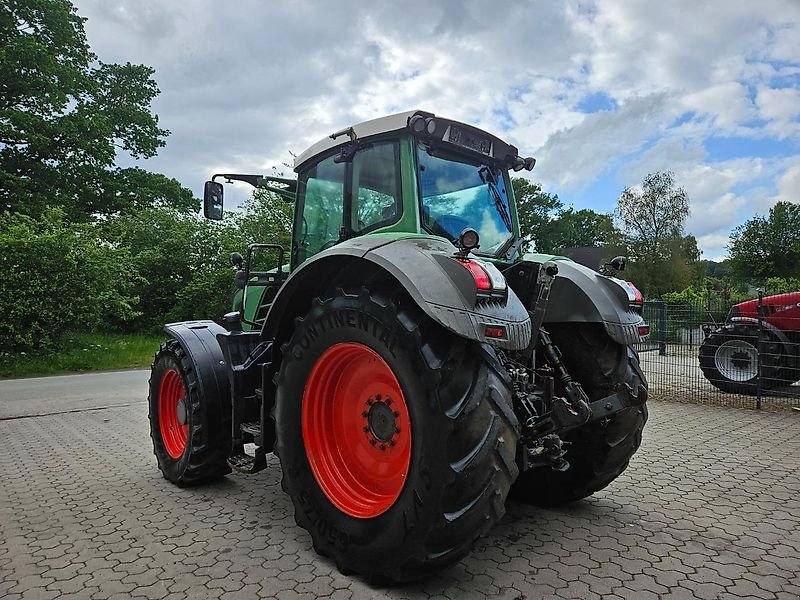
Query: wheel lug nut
x=372, y=442
x=383, y=446
x=365, y=414
x=388, y=402
x=366, y=429
x=397, y=430
x=396, y=414
x=391, y=442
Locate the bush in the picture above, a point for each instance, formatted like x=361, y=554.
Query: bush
x=57, y=276
x=781, y=285
x=182, y=261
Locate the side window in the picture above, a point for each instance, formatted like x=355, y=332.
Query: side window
x=376, y=186
x=321, y=191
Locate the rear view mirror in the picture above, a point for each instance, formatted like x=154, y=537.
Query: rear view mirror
x=212, y=200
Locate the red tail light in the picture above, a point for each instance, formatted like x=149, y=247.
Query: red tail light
x=481, y=277
x=644, y=330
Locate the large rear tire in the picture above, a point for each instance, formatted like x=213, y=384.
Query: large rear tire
x=190, y=439
x=397, y=439
x=600, y=451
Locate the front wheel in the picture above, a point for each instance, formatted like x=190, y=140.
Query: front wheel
x=396, y=438
x=188, y=431
x=729, y=360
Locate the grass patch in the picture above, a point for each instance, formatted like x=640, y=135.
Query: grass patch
x=85, y=352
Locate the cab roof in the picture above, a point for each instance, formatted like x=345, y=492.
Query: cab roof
x=372, y=127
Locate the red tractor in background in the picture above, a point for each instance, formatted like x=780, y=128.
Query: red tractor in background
x=731, y=353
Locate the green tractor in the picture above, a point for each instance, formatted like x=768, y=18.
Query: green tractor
x=409, y=365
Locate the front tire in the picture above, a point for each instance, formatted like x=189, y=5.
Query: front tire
x=729, y=360
x=601, y=450
x=395, y=490
x=189, y=434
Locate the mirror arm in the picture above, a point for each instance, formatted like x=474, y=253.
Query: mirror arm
x=285, y=193
x=251, y=179
x=261, y=182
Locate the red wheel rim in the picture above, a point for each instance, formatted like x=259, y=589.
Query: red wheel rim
x=356, y=430
x=172, y=413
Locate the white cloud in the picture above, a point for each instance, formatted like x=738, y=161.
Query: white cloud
x=779, y=104
x=789, y=184
x=728, y=103
x=575, y=156
x=244, y=87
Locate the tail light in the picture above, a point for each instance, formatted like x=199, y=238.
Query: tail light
x=489, y=281
x=637, y=295
x=479, y=274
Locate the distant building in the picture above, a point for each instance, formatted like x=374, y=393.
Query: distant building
x=588, y=256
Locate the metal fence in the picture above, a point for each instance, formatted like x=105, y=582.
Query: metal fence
x=704, y=352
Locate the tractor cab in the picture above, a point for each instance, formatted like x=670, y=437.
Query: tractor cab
x=411, y=173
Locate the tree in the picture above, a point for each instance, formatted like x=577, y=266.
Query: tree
x=769, y=246
x=545, y=222
x=653, y=215
x=653, y=218
x=64, y=116
x=577, y=228
x=535, y=209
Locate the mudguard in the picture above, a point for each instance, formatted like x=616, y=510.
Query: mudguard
x=198, y=339
x=441, y=287
x=580, y=294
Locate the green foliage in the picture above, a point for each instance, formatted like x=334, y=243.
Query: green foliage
x=782, y=285
x=663, y=259
x=182, y=261
x=266, y=218
x=552, y=228
x=57, y=276
x=64, y=115
x=535, y=208
x=577, y=228
x=769, y=246
x=654, y=215
x=713, y=269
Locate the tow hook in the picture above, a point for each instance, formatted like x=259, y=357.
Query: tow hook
x=547, y=451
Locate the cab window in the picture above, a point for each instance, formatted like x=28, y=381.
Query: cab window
x=376, y=186
x=321, y=193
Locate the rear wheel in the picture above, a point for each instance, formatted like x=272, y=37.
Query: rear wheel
x=396, y=438
x=600, y=451
x=189, y=436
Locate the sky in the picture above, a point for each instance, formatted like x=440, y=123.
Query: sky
x=600, y=92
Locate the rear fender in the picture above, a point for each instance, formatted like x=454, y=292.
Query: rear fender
x=423, y=266
x=580, y=294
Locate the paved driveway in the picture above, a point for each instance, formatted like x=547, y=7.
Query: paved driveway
x=710, y=508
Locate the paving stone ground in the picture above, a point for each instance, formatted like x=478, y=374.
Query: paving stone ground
x=709, y=508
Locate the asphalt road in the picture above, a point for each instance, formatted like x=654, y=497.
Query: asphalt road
x=69, y=393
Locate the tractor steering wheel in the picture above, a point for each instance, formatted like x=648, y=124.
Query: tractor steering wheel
x=328, y=244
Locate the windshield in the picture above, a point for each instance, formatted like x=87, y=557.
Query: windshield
x=457, y=194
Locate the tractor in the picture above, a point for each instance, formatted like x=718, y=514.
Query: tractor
x=746, y=353
x=409, y=364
